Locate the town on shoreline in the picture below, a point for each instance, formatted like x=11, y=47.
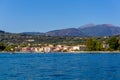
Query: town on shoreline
x=47, y=44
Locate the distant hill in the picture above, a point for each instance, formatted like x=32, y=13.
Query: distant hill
x=32, y=33
x=100, y=30
x=2, y=31
x=65, y=32
x=87, y=30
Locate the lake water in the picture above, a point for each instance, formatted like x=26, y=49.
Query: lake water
x=59, y=66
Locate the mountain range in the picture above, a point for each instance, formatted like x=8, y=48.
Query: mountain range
x=88, y=30
x=85, y=30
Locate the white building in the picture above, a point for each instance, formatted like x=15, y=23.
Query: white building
x=47, y=49
x=79, y=48
x=76, y=48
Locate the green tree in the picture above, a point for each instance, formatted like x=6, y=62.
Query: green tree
x=2, y=46
x=98, y=46
x=23, y=45
x=113, y=43
x=93, y=45
x=119, y=45
x=8, y=48
x=90, y=44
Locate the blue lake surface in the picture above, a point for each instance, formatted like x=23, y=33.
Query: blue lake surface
x=59, y=66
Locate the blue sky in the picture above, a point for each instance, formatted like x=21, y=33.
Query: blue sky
x=45, y=15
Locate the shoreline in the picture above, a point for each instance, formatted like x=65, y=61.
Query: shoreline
x=74, y=52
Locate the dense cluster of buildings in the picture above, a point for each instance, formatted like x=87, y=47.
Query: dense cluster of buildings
x=57, y=48
x=51, y=48
x=54, y=48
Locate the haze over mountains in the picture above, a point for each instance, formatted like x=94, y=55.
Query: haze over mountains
x=85, y=30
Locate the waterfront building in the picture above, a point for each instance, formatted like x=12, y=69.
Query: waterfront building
x=79, y=48
x=47, y=49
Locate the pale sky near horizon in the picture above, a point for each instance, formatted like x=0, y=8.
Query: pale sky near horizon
x=45, y=15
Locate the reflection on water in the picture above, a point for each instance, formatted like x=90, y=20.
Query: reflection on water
x=60, y=67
